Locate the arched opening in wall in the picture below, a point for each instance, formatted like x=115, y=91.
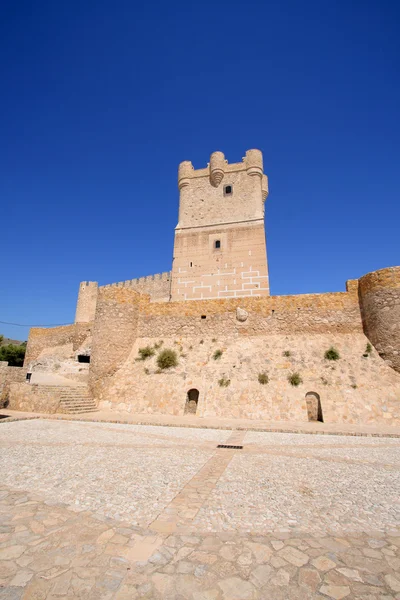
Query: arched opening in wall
x=314, y=409
x=192, y=399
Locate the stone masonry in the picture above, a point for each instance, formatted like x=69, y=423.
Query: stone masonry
x=215, y=312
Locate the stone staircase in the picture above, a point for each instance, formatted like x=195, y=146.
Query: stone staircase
x=76, y=400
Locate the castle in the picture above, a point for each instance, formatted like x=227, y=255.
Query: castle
x=239, y=351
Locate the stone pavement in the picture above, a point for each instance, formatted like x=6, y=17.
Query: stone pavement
x=107, y=511
x=192, y=421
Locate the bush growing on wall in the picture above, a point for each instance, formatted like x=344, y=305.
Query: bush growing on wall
x=263, y=378
x=295, y=379
x=167, y=359
x=217, y=354
x=146, y=352
x=332, y=354
x=224, y=382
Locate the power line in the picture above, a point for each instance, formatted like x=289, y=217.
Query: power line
x=48, y=325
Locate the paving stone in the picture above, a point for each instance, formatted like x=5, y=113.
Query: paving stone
x=309, y=578
x=242, y=528
x=237, y=589
x=293, y=556
x=11, y=552
x=393, y=582
x=335, y=591
x=323, y=563
x=261, y=575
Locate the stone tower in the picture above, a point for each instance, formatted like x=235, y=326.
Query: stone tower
x=219, y=249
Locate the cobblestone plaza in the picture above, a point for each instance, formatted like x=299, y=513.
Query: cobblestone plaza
x=101, y=511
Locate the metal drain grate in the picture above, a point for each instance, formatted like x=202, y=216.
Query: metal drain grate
x=231, y=447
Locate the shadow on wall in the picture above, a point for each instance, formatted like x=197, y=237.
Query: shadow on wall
x=314, y=409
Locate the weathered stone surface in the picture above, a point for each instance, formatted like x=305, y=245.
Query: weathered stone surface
x=241, y=314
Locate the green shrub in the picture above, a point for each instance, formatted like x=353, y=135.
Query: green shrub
x=368, y=350
x=354, y=386
x=214, y=340
x=167, y=359
x=295, y=379
x=224, y=382
x=217, y=354
x=332, y=354
x=158, y=345
x=146, y=352
x=14, y=354
x=287, y=353
x=263, y=378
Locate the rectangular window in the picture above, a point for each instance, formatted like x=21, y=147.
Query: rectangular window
x=228, y=189
x=217, y=243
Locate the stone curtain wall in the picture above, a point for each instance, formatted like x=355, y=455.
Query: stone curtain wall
x=380, y=308
x=158, y=286
x=313, y=313
x=114, y=332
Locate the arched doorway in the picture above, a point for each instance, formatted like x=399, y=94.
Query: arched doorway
x=314, y=409
x=192, y=399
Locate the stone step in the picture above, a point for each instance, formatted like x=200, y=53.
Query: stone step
x=81, y=410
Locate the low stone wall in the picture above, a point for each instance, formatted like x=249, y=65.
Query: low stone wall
x=8, y=375
x=34, y=398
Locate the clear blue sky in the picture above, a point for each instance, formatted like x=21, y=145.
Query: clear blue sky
x=101, y=100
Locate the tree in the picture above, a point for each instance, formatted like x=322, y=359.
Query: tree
x=13, y=354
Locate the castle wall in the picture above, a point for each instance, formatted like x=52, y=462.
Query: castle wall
x=158, y=286
x=86, y=305
x=354, y=389
x=61, y=342
x=380, y=308
x=114, y=331
x=312, y=313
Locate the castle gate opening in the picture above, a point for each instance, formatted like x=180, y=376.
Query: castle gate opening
x=314, y=409
x=192, y=399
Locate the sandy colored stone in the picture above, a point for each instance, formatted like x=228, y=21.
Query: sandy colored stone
x=337, y=592
x=323, y=563
x=11, y=552
x=393, y=582
x=309, y=578
x=294, y=556
x=235, y=588
x=262, y=553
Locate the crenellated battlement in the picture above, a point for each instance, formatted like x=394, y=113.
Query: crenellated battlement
x=148, y=279
x=218, y=166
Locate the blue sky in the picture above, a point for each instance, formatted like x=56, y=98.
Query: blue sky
x=100, y=101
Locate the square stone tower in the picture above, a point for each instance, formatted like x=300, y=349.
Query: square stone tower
x=219, y=249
